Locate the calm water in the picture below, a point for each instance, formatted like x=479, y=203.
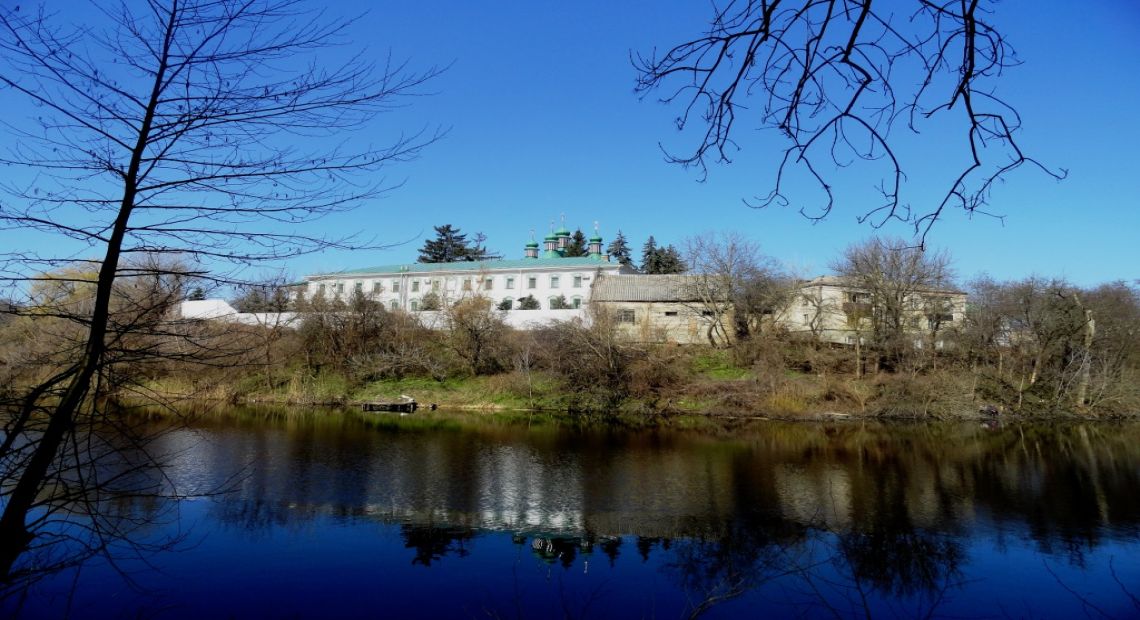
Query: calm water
x=340, y=515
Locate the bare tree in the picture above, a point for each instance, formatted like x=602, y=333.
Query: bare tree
x=733, y=285
x=892, y=284
x=833, y=78
x=203, y=129
x=478, y=334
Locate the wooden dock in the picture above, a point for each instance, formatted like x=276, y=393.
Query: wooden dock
x=405, y=405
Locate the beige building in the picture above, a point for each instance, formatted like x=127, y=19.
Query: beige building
x=682, y=309
x=660, y=308
x=834, y=309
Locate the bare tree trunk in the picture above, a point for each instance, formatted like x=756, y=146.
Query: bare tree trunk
x=14, y=534
x=1086, y=361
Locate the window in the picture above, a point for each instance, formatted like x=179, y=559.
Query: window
x=415, y=305
x=577, y=281
x=395, y=305
x=435, y=285
x=340, y=288
x=532, y=282
x=359, y=288
x=415, y=286
x=320, y=289
x=395, y=286
x=488, y=283
x=466, y=284
x=376, y=288
x=553, y=281
x=626, y=316
x=510, y=283
x=576, y=303
x=670, y=313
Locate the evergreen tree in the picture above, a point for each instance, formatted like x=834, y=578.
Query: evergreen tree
x=649, y=256
x=577, y=245
x=619, y=250
x=449, y=246
x=669, y=260
x=528, y=303
x=661, y=260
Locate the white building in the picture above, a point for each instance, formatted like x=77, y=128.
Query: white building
x=551, y=279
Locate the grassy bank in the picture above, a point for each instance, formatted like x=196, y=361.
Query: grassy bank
x=697, y=383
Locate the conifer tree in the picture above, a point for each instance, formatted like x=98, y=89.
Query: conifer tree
x=669, y=260
x=619, y=250
x=649, y=256
x=450, y=246
x=577, y=245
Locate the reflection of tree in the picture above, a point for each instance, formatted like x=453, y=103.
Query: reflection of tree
x=895, y=558
x=611, y=546
x=739, y=559
x=107, y=497
x=432, y=542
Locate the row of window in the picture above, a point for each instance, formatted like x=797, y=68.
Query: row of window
x=466, y=284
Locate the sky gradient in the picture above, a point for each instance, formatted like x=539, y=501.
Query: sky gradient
x=542, y=121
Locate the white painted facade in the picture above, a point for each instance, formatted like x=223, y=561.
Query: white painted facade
x=404, y=287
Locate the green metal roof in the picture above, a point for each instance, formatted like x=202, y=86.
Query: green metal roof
x=491, y=265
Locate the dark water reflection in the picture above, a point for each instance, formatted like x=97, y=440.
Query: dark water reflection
x=341, y=515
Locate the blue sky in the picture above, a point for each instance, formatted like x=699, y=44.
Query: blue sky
x=543, y=121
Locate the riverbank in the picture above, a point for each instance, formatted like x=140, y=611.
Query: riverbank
x=706, y=385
